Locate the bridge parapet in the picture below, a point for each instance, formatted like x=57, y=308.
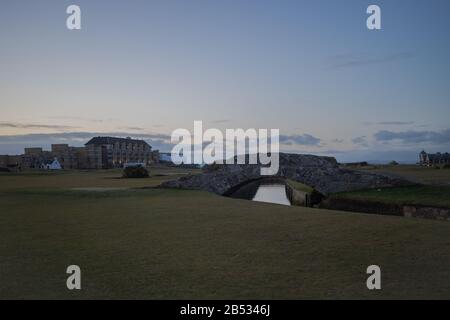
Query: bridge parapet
x=321, y=173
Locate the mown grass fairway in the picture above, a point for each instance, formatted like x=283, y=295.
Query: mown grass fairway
x=170, y=244
x=86, y=179
x=425, y=175
x=424, y=195
x=433, y=187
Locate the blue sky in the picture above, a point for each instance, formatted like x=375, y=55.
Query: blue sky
x=308, y=67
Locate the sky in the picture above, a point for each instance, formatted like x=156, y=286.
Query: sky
x=310, y=68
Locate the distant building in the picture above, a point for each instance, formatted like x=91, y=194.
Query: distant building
x=428, y=159
x=70, y=157
x=33, y=151
x=165, y=157
x=35, y=158
x=64, y=154
x=98, y=153
x=110, y=152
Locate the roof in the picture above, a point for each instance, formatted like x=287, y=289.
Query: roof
x=48, y=161
x=439, y=156
x=113, y=140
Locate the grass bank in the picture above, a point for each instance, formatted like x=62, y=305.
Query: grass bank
x=423, y=175
x=178, y=244
x=425, y=195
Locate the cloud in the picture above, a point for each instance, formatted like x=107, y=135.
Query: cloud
x=377, y=156
x=390, y=123
x=221, y=121
x=351, y=61
x=408, y=137
x=304, y=140
x=396, y=123
x=338, y=140
x=34, y=126
x=80, y=119
x=14, y=144
x=360, y=140
x=134, y=128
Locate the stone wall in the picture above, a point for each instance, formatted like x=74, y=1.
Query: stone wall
x=374, y=207
x=320, y=173
x=302, y=198
x=426, y=212
x=362, y=206
x=297, y=197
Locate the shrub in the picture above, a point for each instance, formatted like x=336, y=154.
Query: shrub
x=446, y=166
x=135, y=172
x=212, y=167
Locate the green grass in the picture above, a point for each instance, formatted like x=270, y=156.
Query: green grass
x=425, y=175
x=169, y=244
x=299, y=186
x=435, y=196
x=86, y=179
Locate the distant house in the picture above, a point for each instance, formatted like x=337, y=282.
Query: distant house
x=53, y=165
x=433, y=159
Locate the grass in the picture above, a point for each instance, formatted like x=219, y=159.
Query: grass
x=425, y=175
x=177, y=244
x=85, y=179
x=299, y=186
x=434, y=188
x=427, y=195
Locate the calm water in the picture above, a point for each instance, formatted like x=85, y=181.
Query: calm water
x=273, y=193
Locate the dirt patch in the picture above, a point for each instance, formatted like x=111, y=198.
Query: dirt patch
x=99, y=189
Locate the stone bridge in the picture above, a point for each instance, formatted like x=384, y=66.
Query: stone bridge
x=321, y=173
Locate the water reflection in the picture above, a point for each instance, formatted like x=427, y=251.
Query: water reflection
x=272, y=193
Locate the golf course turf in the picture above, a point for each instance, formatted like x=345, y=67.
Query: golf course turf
x=177, y=244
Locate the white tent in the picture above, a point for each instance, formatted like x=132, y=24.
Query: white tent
x=55, y=165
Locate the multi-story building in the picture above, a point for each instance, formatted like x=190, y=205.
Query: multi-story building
x=98, y=153
x=80, y=157
x=110, y=152
x=34, y=158
x=428, y=159
x=64, y=155
x=70, y=157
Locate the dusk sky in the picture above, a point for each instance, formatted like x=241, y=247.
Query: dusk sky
x=309, y=68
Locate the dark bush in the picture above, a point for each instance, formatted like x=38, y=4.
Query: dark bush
x=446, y=166
x=135, y=172
x=212, y=167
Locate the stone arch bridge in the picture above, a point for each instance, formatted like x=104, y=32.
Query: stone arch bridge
x=321, y=173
